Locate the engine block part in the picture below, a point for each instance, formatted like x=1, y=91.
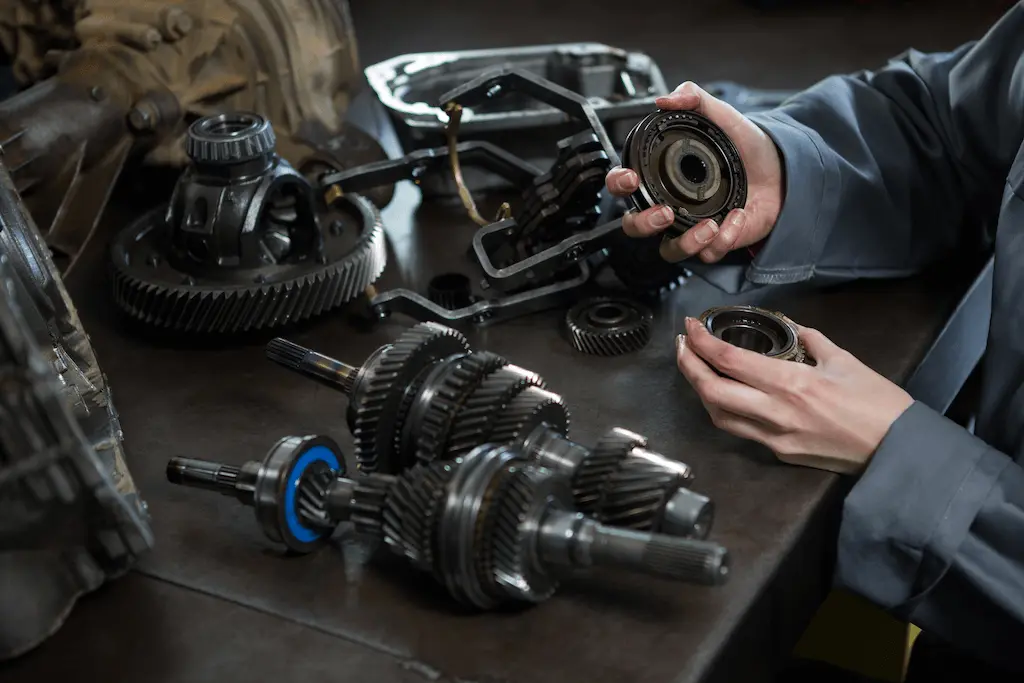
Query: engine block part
x=609, y=326
x=756, y=329
x=70, y=514
x=687, y=163
x=114, y=80
x=428, y=397
x=245, y=243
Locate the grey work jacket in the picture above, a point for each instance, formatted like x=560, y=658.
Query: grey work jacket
x=887, y=171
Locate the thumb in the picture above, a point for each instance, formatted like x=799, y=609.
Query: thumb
x=690, y=96
x=818, y=346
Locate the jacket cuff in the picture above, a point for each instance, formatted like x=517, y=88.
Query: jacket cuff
x=905, y=519
x=812, y=188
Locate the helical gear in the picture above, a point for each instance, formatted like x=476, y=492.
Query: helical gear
x=481, y=410
x=591, y=476
x=511, y=560
x=382, y=387
x=457, y=384
x=311, y=496
x=206, y=306
x=638, y=265
x=634, y=495
x=527, y=411
x=369, y=496
x=411, y=510
x=609, y=326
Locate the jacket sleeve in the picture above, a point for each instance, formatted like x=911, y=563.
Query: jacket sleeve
x=887, y=171
x=934, y=532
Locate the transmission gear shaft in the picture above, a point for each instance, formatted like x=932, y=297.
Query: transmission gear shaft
x=499, y=528
x=299, y=490
x=427, y=397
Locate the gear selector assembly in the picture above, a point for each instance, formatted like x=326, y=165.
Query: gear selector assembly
x=492, y=526
x=428, y=397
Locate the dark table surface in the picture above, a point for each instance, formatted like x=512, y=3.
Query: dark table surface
x=215, y=602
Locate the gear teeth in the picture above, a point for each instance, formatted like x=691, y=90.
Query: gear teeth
x=368, y=499
x=527, y=411
x=482, y=408
x=311, y=497
x=605, y=458
x=411, y=511
x=200, y=309
x=509, y=555
x=634, y=496
x=464, y=376
x=590, y=335
x=638, y=265
x=383, y=391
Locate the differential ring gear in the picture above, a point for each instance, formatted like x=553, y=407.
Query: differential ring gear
x=609, y=326
x=687, y=163
x=240, y=246
x=756, y=329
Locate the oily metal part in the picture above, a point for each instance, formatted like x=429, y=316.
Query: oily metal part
x=609, y=326
x=756, y=329
x=112, y=79
x=269, y=254
x=62, y=459
x=688, y=163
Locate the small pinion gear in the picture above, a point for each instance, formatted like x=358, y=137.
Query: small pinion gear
x=149, y=288
x=609, y=326
x=368, y=498
x=312, y=495
x=635, y=494
x=381, y=391
x=605, y=458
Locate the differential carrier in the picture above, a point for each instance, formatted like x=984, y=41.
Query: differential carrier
x=428, y=398
x=756, y=329
x=688, y=163
x=492, y=526
x=245, y=243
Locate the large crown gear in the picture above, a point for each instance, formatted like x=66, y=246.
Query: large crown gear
x=245, y=243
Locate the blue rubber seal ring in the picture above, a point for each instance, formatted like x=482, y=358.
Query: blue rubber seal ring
x=294, y=524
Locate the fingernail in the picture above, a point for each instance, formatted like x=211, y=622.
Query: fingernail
x=662, y=218
x=627, y=179
x=690, y=323
x=680, y=343
x=688, y=88
x=739, y=218
x=706, y=232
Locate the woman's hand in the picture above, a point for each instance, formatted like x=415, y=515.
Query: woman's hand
x=742, y=227
x=831, y=416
